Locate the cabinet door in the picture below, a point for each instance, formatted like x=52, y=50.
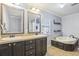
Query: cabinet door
x=30, y=52
x=18, y=49
x=5, y=50
x=38, y=47
x=44, y=46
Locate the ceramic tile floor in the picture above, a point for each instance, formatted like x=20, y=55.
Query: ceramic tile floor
x=53, y=51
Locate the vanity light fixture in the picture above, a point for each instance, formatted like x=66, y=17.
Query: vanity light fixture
x=35, y=9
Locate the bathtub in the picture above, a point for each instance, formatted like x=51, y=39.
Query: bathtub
x=65, y=43
x=66, y=40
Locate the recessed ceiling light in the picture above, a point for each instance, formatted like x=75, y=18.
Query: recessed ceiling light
x=61, y=5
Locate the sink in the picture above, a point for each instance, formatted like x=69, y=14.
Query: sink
x=8, y=39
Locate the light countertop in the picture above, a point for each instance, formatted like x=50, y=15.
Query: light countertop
x=20, y=38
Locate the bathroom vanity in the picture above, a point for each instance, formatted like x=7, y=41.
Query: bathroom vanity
x=12, y=23
x=34, y=45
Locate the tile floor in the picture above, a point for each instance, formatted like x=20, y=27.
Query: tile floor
x=54, y=51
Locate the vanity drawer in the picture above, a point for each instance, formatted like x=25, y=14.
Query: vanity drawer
x=27, y=43
x=30, y=52
x=26, y=47
x=30, y=42
x=30, y=46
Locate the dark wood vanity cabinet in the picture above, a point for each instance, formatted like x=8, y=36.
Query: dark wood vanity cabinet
x=41, y=46
x=18, y=49
x=5, y=50
x=34, y=47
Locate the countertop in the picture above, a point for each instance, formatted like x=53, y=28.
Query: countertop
x=20, y=38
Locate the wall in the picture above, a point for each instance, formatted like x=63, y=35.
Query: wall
x=70, y=24
x=47, y=25
x=47, y=22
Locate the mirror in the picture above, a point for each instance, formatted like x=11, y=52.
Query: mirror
x=34, y=21
x=12, y=20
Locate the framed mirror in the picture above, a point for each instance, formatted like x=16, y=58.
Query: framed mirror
x=12, y=20
x=34, y=23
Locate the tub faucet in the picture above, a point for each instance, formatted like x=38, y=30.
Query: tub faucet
x=74, y=37
x=71, y=36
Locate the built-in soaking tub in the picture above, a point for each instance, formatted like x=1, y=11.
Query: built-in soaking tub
x=65, y=43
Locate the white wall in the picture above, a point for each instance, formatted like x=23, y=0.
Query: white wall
x=47, y=25
x=47, y=21
x=70, y=24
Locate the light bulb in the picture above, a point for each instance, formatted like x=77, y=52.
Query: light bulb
x=37, y=10
x=33, y=9
x=62, y=5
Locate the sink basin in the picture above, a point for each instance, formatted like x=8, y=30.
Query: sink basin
x=8, y=39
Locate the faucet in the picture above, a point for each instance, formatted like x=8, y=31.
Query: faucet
x=71, y=36
x=12, y=35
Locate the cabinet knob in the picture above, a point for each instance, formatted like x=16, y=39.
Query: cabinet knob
x=30, y=52
x=30, y=41
x=9, y=44
x=30, y=47
x=14, y=44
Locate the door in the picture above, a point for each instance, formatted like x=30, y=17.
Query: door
x=18, y=49
x=5, y=50
x=38, y=47
x=44, y=46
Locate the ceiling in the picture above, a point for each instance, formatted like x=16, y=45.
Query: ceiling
x=54, y=8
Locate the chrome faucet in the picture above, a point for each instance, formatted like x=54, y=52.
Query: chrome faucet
x=12, y=35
